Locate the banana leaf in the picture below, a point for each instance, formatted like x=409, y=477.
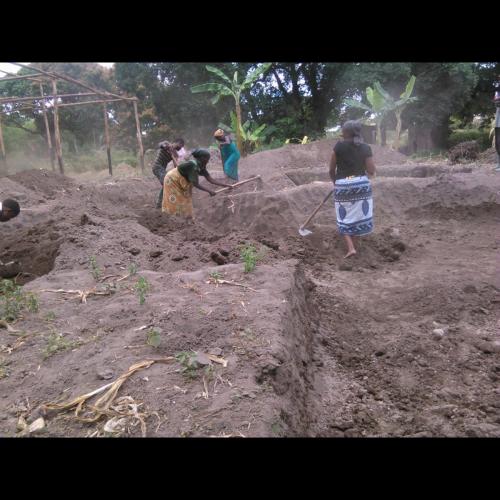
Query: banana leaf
x=212, y=87
x=357, y=104
x=255, y=74
x=219, y=73
x=409, y=88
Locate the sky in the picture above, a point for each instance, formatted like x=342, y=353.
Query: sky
x=14, y=69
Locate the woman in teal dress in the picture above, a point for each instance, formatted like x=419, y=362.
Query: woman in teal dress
x=229, y=154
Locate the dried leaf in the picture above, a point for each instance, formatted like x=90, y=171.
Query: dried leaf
x=217, y=359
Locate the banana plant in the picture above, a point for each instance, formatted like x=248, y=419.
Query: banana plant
x=250, y=137
x=398, y=106
x=379, y=107
x=232, y=88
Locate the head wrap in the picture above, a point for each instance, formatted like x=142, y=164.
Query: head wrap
x=201, y=154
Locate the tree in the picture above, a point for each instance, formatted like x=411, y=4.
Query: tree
x=231, y=88
x=380, y=105
x=398, y=106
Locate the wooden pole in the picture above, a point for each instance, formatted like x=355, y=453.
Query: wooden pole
x=87, y=102
x=139, y=136
x=238, y=184
x=2, y=149
x=47, y=130
x=106, y=136
x=24, y=77
x=72, y=80
x=56, y=129
x=12, y=100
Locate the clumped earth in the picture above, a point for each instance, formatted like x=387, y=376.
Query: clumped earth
x=401, y=340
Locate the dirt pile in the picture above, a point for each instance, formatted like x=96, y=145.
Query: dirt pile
x=464, y=151
x=489, y=156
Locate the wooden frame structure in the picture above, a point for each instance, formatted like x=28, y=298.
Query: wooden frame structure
x=100, y=97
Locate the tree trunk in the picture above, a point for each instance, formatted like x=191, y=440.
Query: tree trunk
x=239, y=141
x=3, y=170
x=47, y=131
x=379, y=135
x=395, y=145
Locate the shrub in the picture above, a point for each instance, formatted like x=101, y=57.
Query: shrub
x=481, y=136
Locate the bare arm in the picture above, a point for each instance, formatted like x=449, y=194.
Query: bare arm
x=370, y=166
x=197, y=185
x=213, y=181
x=333, y=166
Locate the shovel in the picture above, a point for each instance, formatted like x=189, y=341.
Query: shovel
x=305, y=232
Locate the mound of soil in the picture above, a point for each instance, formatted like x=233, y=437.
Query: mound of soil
x=464, y=151
x=47, y=183
x=489, y=156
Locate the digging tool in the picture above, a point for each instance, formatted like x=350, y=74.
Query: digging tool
x=305, y=232
x=238, y=184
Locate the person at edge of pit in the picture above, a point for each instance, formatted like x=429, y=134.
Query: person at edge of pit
x=167, y=152
x=9, y=209
x=179, y=182
x=229, y=154
x=350, y=166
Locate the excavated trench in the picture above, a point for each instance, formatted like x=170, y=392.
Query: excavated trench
x=29, y=253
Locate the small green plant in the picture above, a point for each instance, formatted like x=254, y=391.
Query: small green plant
x=132, y=269
x=277, y=428
x=50, y=316
x=216, y=276
x=153, y=338
x=94, y=268
x=142, y=288
x=250, y=257
x=4, y=372
x=57, y=343
x=32, y=303
x=186, y=359
x=13, y=301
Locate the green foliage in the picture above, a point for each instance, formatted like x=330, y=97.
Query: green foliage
x=142, y=287
x=32, y=303
x=132, y=269
x=234, y=89
x=13, y=300
x=50, y=316
x=187, y=361
x=153, y=338
x=4, y=372
x=56, y=343
x=250, y=257
x=94, y=268
x=472, y=134
x=215, y=275
x=252, y=135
